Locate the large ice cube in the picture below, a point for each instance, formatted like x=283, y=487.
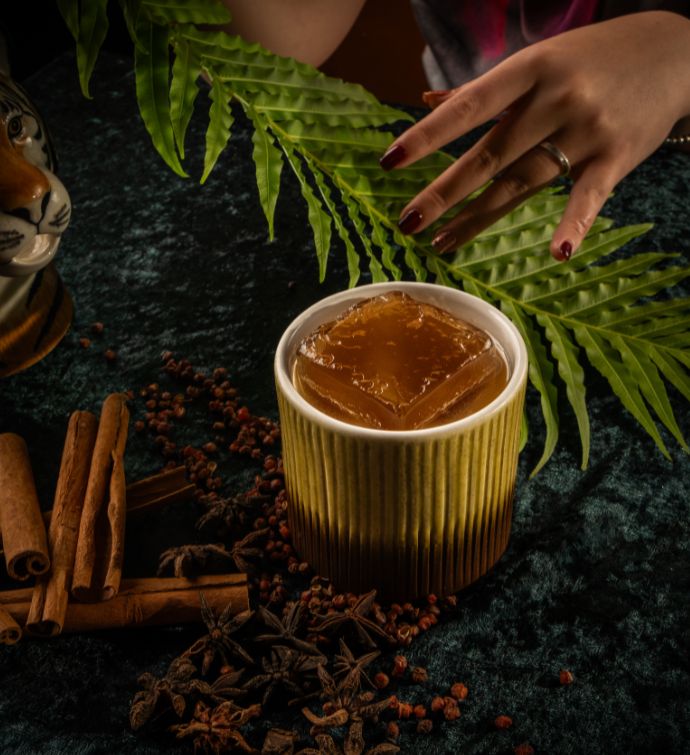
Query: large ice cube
x=396, y=363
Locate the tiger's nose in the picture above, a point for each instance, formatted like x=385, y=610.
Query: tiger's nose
x=21, y=184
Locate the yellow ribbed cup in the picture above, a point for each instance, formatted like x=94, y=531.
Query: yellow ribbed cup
x=408, y=513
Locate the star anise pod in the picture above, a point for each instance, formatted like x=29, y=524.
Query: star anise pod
x=284, y=668
x=217, y=730
x=218, y=643
x=345, y=662
x=244, y=549
x=328, y=746
x=355, y=617
x=345, y=702
x=223, y=514
x=225, y=687
x=188, y=559
x=285, y=631
x=176, y=689
x=279, y=742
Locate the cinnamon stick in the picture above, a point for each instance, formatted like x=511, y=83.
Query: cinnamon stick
x=143, y=602
x=158, y=490
x=26, y=547
x=149, y=494
x=100, y=545
x=51, y=593
x=10, y=631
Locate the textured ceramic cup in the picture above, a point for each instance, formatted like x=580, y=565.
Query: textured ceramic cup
x=406, y=512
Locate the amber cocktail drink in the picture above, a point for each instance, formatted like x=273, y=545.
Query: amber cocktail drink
x=395, y=363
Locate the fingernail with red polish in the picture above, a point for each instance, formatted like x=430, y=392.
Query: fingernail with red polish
x=392, y=157
x=566, y=250
x=444, y=242
x=410, y=221
x=435, y=97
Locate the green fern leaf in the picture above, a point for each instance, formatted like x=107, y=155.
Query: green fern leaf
x=176, y=12
x=319, y=221
x=619, y=293
x=672, y=371
x=250, y=65
x=603, y=357
x=130, y=12
x=69, y=10
x=353, y=211
x=541, y=377
x=219, y=124
x=664, y=325
x=92, y=30
x=183, y=91
x=523, y=265
x=269, y=165
x=413, y=262
x=387, y=250
x=350, y=251
x=643, y=314
x=151, y=69
x=443, y=277
x=647, y=377
x=587, y=282
x=565, y=353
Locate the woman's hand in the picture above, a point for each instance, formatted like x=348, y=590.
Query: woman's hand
x=605, y=95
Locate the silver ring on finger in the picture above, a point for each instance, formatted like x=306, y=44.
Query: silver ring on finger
x=560, y=157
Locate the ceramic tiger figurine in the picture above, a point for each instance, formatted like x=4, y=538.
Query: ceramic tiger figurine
x=35, y=209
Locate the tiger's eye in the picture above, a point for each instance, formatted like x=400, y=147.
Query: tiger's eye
x=15, y=127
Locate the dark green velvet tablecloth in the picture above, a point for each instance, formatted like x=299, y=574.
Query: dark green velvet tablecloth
x=596, y=578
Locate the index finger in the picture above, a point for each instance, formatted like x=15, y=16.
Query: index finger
x=469, y=106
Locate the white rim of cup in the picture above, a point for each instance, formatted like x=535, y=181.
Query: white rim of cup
x=515, y=351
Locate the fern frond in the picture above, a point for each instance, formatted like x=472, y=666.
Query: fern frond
x=130, y=12
x=672, y=371
x=319, y=220
x=355, y=215
x=176, y=12
x=565, y=354
x=540, y=375
x=645, y=373
x=183, y=91
x=268, y=162
x=88, y=24
x=69, y=10
x=219, y=123
x=644, y=314
x=604, y=358
x=151, y=72
x=350, y=251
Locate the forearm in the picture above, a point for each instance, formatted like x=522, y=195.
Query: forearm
x=309, y=30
